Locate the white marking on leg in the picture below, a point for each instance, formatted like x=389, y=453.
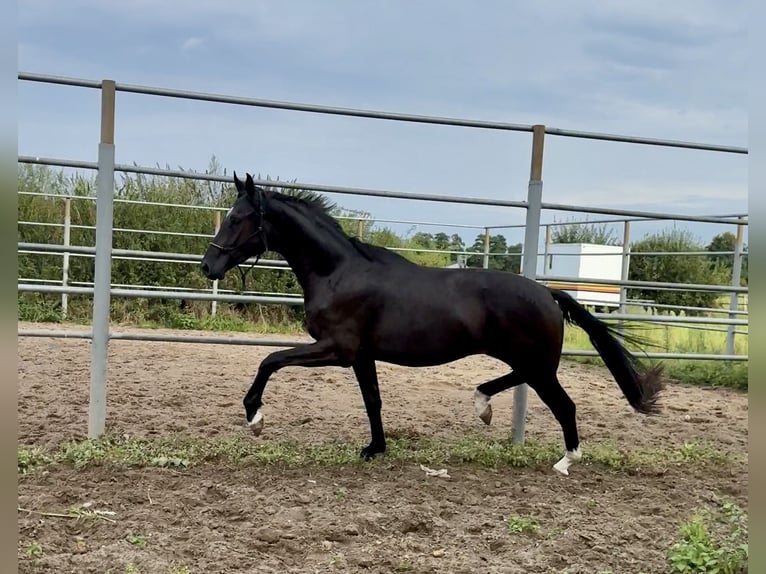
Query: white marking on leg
x=481, y=406
x=256, y=425
x=566, y=461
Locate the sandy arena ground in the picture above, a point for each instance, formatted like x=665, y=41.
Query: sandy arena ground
x=386, y=518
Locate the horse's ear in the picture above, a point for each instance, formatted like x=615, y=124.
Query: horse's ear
x=250, y=186
x=238, y=183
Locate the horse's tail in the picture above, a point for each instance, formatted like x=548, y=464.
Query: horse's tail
x=640, y=386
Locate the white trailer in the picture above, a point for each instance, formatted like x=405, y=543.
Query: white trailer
x=583, y=261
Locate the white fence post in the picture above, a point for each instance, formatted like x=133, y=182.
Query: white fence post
x=65, y=262
x=214, y=303
x=624, y=274
x=360, y=229
x=736, y=276
x=103, y=270
x=529, y=260
x=547, y=251
x=486, y=248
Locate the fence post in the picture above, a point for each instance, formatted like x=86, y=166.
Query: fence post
x=360, y=229
x=103, y=260
x=217, y=225
x=529, y=260
x=65, y=263
x=624, y=274
x=547, y=252
x=736, y=276
x=486, y=248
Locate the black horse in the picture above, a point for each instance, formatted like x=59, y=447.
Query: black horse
x=365, y=303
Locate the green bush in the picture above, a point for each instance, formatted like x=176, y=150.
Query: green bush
x=674, y=269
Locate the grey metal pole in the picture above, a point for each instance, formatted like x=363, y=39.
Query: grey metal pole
x=103, y=261
x=547, y=252
x=214, y=304
x=624, y=274
x=486, y=248
x=65, y=262
x=736, y=276
x=529, y=260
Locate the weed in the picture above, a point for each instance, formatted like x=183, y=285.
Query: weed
x=30, y=458
x=518, y=524
x=137, y=540
x=181, y=452
x=34, y=550
x=712, y=542
x=340, y=494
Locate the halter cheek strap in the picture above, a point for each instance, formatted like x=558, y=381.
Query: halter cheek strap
x=225, y=249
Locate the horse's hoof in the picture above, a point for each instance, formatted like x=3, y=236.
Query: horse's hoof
x=482, y=406
x=486, y=416
x=256, y=425
x=562, y=466
x=369, y=452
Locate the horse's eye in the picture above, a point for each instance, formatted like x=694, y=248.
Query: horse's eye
x=234, y=219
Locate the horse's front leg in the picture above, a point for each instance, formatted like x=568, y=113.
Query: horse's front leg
x=319, y=354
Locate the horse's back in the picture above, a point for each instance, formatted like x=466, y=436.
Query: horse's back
x=419, y=315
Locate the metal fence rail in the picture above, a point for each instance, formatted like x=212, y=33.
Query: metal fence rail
x=228, y=340
x=534, y=206
x=372, y=114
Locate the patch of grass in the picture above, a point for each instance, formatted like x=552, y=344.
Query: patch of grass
x=340, y=494
x=710, y=373
x=34, y=550
x=180, y=452
x=30, y=458
x=680, y=339
x=713, y=541
x=136, y=540
x=518, y=524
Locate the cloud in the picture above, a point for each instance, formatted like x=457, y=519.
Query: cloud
x=192, y=43
x=656, y=68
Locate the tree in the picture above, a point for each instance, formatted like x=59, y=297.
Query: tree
x=442, y=241
x=497, y=245
x=673, y=269
x=600, y=234
x=727, y=242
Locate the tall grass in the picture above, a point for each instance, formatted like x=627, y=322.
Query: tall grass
x=676, y=338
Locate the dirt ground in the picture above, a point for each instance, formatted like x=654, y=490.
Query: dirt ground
x=386, y=518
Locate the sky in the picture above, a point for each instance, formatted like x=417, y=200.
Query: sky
x=671, y=70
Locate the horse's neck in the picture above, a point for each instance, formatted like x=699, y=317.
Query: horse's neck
x=311, y=252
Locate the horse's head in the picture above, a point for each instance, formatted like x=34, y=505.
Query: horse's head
x=241, y=235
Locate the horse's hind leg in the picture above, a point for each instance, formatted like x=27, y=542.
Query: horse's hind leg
x=563, y=408
x=487, y=390
x=367, y=377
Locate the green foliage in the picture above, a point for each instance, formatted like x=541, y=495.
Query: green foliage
x=724, y=264
x=30, y=458
x=712, y=542
x=175, y=222
x=34, y=550
x=518, y=524
x=504, y=257
x=673, y=269
x=181, y=452
x=600, y=234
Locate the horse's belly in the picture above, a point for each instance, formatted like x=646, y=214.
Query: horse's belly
x=415, y=341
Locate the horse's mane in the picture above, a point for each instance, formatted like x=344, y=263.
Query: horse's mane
x=315, y=209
